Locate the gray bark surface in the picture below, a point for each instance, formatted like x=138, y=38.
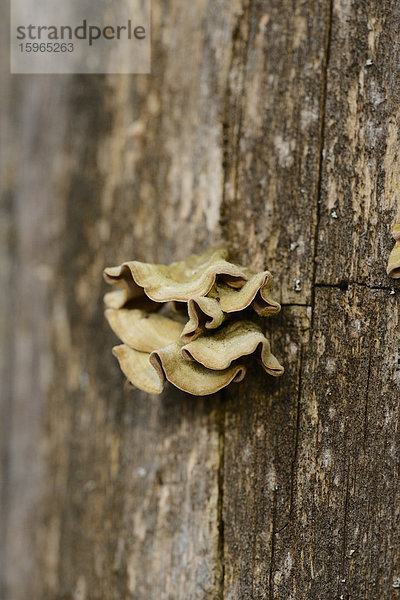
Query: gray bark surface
x=271, y=125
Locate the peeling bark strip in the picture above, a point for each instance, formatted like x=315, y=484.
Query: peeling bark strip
x=272, y=125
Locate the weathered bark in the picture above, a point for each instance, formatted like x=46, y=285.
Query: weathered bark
x=275, y=127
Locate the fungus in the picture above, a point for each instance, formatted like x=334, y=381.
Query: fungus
x=142, y=331
x=178, y=282
x=221, y=348
x=393, y=268
x=183, y=323
x=210, y=311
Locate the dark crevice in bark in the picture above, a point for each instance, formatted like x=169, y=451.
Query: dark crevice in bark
x=339, y=286
x=296, y=442
x=272, y=559
x=346, y=470
x=342, y=576
x=324, y=89
x=220, y=500
x=248, y=14
x=295, y=304
x=367, y=398
x=231, y=148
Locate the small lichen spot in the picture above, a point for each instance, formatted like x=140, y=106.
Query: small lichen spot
x=297, y=284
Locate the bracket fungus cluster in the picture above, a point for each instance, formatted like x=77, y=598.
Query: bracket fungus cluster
x=393, y=268
x=184, y=322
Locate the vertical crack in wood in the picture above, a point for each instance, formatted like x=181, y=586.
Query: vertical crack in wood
x=342, y=575
x=324, y=92
x=242, y=95
x=346, y=460
x=367, y=398
x=296, y=443
x=227, y=125
x=296, y=439
x=271, y=564
x=220, y=501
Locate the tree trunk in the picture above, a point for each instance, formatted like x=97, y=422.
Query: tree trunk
x=271, y=125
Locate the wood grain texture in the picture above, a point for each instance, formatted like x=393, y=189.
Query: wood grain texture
x=360, y=177
x=273, y=139
x=29, y=177
x=273, y=126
